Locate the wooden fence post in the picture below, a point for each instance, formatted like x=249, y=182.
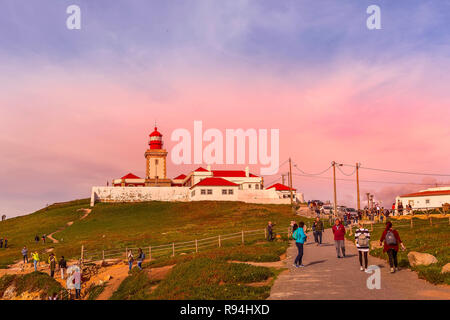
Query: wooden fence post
x=173, y=249
x=196, y=246
x=82, y=254
x=150, y=253
x=220, y=244
x=265, y=230
x=412, y=224
x=243, y=237
x=103, y=255
x=431, y=221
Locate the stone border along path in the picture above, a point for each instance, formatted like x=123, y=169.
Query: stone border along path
x=326, y=277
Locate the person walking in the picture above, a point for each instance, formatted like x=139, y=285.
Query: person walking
x=6, y=243
x=270, y=231
x=362, y=241
x=36, y=238
x=25, y=254
x=52, y=264
x=77, y=283
x=141, y=257
x=391, y=240
x=339, y=234
x=300, y=238
x=62, y=266
x=130, y=259
x=318, y=230
x=1, y=242
x=43, y=238
x=35, y=257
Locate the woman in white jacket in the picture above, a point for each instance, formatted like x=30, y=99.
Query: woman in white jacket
x=362, y=241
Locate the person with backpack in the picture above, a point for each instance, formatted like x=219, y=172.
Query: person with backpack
x=300, y=238
x=141, y=257
x=25, y=254
x=130, y=259
x=391, y=240
x=318, y=230
x=362, y=241
x=52, y=264
x=62, y=266
x=270, y=231
x=339, y=240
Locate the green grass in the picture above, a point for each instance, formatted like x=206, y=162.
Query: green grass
x=121, y=225
x=433, y=239
x=21, y=230
x=95, y=290
x=207, y=275
x=31, y=282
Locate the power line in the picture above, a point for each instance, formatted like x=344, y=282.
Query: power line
x=402, y=172
x=345, y=174
x=369, y=181
x=311, y=174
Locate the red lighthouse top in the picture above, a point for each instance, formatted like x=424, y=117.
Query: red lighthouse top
x=155, y=140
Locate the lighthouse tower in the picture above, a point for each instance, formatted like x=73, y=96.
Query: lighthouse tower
x=155, y=171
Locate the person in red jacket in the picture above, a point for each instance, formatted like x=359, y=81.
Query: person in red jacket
x=339, y=233
x=391, y=240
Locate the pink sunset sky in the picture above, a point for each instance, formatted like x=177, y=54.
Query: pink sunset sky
x=68, y=124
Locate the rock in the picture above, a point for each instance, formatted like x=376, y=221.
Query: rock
x=9, y=293
x=421, y=259
x=446, y=268
x=107, y=278
x=375, y=244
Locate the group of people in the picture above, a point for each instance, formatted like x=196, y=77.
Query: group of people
x=52, y=261
x=140, y=259
x=390, y=240
x=3, y=241
x=37, y=238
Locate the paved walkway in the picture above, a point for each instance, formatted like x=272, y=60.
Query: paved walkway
x=326, y=277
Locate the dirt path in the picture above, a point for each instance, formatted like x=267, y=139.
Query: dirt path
x=326, y=277
x=50, y=236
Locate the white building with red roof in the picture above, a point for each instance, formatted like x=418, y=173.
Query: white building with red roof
x=428, y=198
x=197, y=185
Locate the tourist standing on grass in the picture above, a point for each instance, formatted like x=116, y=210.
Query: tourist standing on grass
x=391, y=240
x=141, y=257
x=270, y=231
x=318, y=230
x=62, y=266
x=6, y=243
x=130, y=259
x=1, y=242
x=362, y=241
x=77, y=283
x=300, y=238
x=52, y=264
x=35, y=257
x=43, y=238
x=339, y=240
x=36, y=238
x=25, y=254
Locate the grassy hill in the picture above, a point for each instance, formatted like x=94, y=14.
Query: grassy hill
x=133, y=224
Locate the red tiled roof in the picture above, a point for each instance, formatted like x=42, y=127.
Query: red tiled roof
x=281, y=187
x=130, y=176
x=200, y=169
x=180, y=177
x=230, y=173
x=427, y=193
x=215, y=182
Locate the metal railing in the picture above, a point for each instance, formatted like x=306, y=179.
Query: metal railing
x=178, y=248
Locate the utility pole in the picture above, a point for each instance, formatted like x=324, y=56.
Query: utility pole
x=334, y=189
x=290, y=182
x=282, y=179
x=357, y=187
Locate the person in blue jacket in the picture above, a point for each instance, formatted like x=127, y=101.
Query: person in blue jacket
x=300, y=238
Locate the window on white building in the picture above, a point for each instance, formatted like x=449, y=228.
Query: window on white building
x=203, y=191
x=209, y=191
x=257, y=186
x=230, y=191
x=427, y=201
x=193, y=193
x=249, y=186
x=224, y=191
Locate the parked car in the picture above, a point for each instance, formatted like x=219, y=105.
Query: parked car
x=327, y=209
x=351, y=211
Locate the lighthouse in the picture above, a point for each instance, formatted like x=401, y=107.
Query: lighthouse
x=155, y=156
